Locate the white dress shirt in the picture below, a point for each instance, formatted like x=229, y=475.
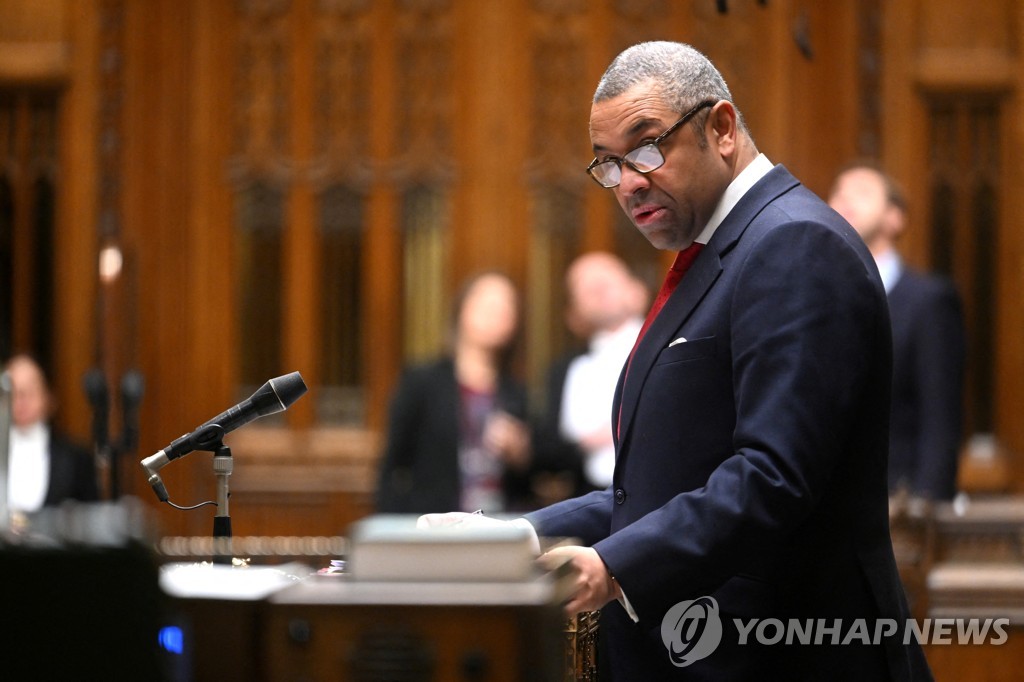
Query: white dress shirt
x=588, y=395
x=28, y=473
x=741, y=184
x=890, y=267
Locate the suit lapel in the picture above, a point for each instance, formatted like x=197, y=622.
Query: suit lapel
x=694, y=287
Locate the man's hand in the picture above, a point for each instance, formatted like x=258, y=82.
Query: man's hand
x=593, y=586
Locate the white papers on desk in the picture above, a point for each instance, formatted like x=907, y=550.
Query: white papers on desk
x=392, y=548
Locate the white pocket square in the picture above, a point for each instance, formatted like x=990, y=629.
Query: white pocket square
x=677, y=341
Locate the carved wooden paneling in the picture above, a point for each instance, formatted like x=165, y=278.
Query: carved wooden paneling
x=638, y=20
x=397, y=146
x=342, y=107
x=261, y=98
x=423, y=167
x=559, y=103
x=262, y=174
x=425, y=88
x=28, y=141
x=341, y=171
x=730, y=39
x=965, y=194
x=426, y=221
x=341, y=220
x=559, y=108
x=870, y=114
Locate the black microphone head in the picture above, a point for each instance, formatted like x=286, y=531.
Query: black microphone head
x=288, y=388
x=95, y=385
x=277, y=394
x=132, y=388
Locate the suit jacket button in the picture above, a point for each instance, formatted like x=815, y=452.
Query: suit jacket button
x=620, y=496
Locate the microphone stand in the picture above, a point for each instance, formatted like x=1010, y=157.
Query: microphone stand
x=223, y=463
x=222, y=466
x=211, y=439
x=268, y=399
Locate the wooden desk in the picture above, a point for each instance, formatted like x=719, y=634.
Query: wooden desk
x=336, y=628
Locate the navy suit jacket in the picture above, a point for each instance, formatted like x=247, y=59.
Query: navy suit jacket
x=927, y=377
x=751, y=458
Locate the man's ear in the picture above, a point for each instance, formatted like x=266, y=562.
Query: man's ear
x=722, y=127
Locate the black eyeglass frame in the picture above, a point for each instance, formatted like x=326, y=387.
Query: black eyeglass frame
x=656, y=142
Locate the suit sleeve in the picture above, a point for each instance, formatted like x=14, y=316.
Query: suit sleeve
x=587, y=518
x=807, y=323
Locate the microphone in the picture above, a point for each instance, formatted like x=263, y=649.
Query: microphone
x=274, y=396
x=132, y=388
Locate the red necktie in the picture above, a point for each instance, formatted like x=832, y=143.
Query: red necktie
x=684, y=259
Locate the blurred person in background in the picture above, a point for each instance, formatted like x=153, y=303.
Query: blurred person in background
x=606, y=305
x=457, y=436
x=927, y=336
x=45, y=468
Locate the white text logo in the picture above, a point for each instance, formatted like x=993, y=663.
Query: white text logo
x=860, y=631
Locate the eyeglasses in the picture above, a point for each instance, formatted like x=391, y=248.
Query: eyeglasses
x=644, y=159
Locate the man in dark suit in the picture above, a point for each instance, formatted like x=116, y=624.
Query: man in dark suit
x=44, y=467
x=752, y=417
x=927, y=335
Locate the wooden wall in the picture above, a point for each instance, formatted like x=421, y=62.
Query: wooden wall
x=478, y=111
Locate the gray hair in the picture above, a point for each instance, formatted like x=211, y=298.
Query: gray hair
x=682, y=75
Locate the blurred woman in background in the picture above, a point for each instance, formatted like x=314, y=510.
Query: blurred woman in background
x=457, y=437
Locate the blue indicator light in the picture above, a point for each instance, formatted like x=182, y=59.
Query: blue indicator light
x=171, y=639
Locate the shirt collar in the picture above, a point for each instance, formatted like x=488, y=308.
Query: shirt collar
x=890, y=267
x=740, y=185
x=33, y=433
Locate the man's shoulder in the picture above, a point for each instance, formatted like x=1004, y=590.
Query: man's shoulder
x=776, y=202
x=780, y=199
x=799, y=219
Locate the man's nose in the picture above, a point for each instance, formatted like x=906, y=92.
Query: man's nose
x=631, y=181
